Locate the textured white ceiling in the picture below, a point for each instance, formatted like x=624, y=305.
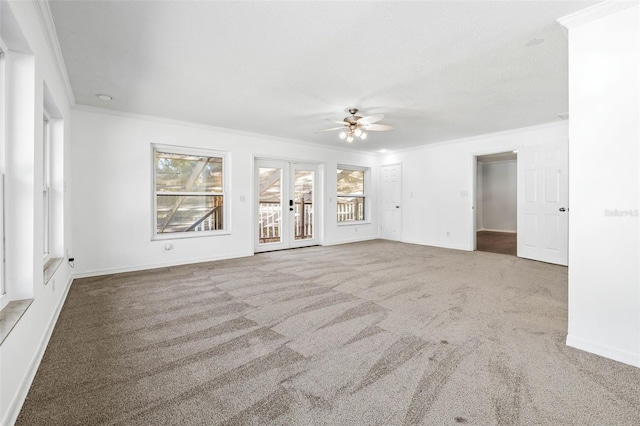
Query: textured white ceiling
x=438, y=70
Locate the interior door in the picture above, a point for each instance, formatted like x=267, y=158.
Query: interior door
x=285, y=200
x=543, y=216
x=390, y=199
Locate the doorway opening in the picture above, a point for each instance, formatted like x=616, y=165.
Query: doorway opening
x=497, y=203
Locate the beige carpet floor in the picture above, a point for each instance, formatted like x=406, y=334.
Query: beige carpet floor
x=373, y=333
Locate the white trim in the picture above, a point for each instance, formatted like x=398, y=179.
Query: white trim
x=173, y=122
x=510, y=132
x=438, y=245
x=143, y=267
x=354, y=222
x=49, y=30
x=350, y=240
x=497, y=162
x=594, y=12
x=604, y=351
x=18, y=400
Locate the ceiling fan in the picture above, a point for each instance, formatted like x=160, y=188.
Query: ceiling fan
x=355, y=126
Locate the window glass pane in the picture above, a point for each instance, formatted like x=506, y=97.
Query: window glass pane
x=185, y=213
x=350, y=209
x=303, y=204
x=187, y=173
x=350, y=182
x=270, y=208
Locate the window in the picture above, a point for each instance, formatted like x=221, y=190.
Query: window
x=351, y=194
x=189, y=191
x=46, y=186
x=2, y=168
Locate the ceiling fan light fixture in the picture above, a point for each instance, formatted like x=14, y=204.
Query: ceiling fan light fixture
x=355, y=126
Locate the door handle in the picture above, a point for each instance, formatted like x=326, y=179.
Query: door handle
x=562, y=209
x=397, y=207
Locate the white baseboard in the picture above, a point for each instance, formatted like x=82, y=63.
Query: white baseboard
x=134, y=268
x=351, y=240
x=438, y=245
x=16, y=405
x=604, y=351
x=498, y=230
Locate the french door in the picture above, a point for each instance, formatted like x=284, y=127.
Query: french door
x=285, y=202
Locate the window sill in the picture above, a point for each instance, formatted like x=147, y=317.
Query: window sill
x=354, y=223
x=10, y=316
x=183, y=235
x=50, y=268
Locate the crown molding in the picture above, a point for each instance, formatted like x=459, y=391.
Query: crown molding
x=209, y=127
x=594, y=12
x=51, y=36
x=484, y=136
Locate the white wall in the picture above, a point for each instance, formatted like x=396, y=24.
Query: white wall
x=31, y=65
x=604, y=250
x=437, y=183
x=499, y=196
x=111, y=176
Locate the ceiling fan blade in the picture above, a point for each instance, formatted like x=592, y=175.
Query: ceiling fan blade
x=337, y=121
x=378, y=127
x=329, y=130
x=371, y=119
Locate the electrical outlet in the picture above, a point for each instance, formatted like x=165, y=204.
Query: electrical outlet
x=448, y=234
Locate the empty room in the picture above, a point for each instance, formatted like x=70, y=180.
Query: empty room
x=319, y=212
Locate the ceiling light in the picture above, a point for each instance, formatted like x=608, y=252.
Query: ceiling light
x=383, y=151
x=534, y=42
x=354, y=126
x=104, y=97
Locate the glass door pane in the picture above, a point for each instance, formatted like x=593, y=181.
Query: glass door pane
x=303, y=203
x=269, y=205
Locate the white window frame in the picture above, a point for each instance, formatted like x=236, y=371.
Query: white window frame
x=3, y=121
x=46, y=186
x=364, y=195
x=226, y=199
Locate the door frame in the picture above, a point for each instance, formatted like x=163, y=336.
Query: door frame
x=319, y=197
x=473, y=241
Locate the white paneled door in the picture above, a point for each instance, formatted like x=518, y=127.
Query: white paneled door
x=390, y=202
x=285, y=202
x=543, y=212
